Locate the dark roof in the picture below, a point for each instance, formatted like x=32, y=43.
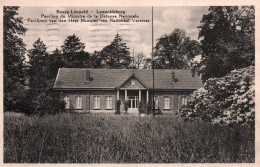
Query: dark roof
x=113, y=78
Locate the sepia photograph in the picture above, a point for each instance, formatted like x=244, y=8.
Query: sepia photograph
x=129, y=84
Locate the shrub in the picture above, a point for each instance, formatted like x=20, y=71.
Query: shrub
x=118, y=103
x=126, y=105
x=159, y=111
x=149, y=108
x=225, y=100
x=140, y=108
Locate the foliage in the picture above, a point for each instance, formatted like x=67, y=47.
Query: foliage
x=116, y=55
x=139, y=59
x=74, y=54
x=41, y=74
x=82, y=138
x=175, y=51
x=72, y=44
x=118, y=103
x=141, y=108
x=159, y=111
x=96, y=60
x=149, y=107
x=147, y=63
x=226, y=100
x=37, y=65
x=55, y=61
x=13, y=50
x=227, y=40
x=126, y=105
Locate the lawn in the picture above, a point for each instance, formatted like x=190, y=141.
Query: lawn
x=84, y=138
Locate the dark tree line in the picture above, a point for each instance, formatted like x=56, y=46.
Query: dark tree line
x=28, y=86
x=227, y=43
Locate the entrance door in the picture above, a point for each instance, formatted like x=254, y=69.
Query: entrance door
x=133, y=103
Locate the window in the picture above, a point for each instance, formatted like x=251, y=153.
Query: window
x=96, y=102
x=184, y=100
x=132, y=82
x=166, y=102
x=156, y=99
x=67, y=101
x=79, y=102
x=109, y=102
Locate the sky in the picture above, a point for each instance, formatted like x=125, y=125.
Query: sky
x=95, y=36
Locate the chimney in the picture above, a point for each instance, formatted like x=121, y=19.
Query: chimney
x=173, y=77
x=193, y=71
x=87, y=76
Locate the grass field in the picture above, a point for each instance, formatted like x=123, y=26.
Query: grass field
x=82, y=138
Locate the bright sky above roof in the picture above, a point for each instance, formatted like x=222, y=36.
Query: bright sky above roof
x=138, y=36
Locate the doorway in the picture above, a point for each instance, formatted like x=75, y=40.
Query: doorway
x=133, y=103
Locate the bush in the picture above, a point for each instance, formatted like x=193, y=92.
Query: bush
x=140, y=108
x=118, y=103
x=159, y=111
x=225, y=100
x=126, y=105
x=149, y=107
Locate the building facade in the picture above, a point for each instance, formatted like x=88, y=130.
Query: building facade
x=97, y=90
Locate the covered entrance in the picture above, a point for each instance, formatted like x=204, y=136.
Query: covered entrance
x=133, y=104
x=133, y=97
x=134, y=91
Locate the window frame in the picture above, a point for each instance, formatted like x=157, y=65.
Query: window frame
x=109, y=101
x=166, y=100
x=184, y=100
x=156, y=102
x=96, y=102
x=67, y=101
x=79, y=102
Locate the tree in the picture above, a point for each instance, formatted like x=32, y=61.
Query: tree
x=74, y=54
x=148, y=63
x=14, y=50
x=116, y=55
x=72, y=44
x=43, y=68
x=96, y=60
x=227, y=43
x=37, y=65
x=54, y=61
x=174, y=51
x=138, y=60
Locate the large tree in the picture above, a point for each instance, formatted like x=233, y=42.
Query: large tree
x=14, y=50
x=96, y=60
x=74, y=54
x=42, y=70
x=227, y=34
x=54, y=61
x=174, y=51
x=72, y=44
x=116, y=55
x=37, y=65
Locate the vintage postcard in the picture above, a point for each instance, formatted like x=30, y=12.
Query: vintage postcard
x=129, y=83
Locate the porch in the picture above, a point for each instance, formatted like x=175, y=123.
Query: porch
x=133, y=97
